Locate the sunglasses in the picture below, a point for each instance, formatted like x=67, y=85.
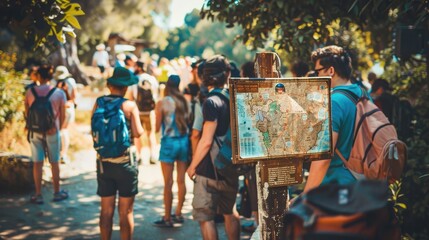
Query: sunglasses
x=316, y=71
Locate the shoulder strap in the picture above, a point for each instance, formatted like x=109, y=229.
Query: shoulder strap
x=349, y=94
x=34, y=92
x=223, y=93
x=50, y=92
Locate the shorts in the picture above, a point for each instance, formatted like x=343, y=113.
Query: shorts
x=122, y=178
x=213, y=197
x=174, y=148
x=38, y=149
x=102, y=68
x=147, y=120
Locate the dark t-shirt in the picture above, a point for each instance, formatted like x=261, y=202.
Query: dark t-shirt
x=214, y=109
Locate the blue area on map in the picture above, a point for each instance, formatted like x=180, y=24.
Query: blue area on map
x=322, y=143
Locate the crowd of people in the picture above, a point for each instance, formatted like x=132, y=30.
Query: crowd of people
x=178, y=100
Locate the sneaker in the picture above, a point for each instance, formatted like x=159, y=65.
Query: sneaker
x=59, y=196
x=177, y=219
x=64, y=160
x=163, y=223
x=36, y=199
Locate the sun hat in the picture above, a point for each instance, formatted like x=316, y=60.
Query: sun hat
x=173, y=81
x=122, y=77
x=100, y=47
x=61, y=72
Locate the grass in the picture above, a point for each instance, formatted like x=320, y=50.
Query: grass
x=14, y=138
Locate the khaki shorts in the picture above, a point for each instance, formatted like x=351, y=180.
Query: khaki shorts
x=147, y=120
x=213, y=197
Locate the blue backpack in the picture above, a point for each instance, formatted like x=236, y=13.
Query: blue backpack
x=109, y=128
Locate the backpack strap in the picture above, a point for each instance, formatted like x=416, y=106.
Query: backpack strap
x=51, y=92
x=34, y=92
x=355, y=99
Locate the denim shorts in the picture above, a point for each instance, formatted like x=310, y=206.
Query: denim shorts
x=174, y=148
x=38, y=149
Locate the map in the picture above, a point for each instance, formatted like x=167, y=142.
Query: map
x=288, y=117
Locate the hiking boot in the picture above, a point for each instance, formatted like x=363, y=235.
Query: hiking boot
x=61, y=195
x=177, y=219
x=36, y=199
x=163, y=223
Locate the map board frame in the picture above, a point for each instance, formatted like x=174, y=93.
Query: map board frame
x=249, y=85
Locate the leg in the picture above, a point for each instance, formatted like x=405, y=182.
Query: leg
x=126, y=217
x=138, y=143
x=181, y=171
x=37, y=176
x=55, y=169
x=232, y=225
x=65, y=143
x=167, y=172
x=106, y=217
x=208, y=230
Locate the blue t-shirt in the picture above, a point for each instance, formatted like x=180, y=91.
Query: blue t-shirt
x=343, y=122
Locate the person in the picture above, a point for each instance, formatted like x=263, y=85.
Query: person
x=145, y=95
x=214, y=193
x=119, y=175
x=333, y=61
x=67, y=83
x=46, y=144
x=299, y=69
x=32, y=73
x=172, y=114
x=384, y=99
x=100, y=58
x=247, y=70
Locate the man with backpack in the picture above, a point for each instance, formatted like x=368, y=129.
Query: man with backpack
x=115, y=122
x=364, y=141
x=145, y=94
x=66, y=82
x=335, y=62
x=45, y=114
x=213, y=192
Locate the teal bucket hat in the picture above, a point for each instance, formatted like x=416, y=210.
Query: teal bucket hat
x=122, y=77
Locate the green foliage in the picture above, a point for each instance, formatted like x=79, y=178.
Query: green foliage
x=40, y=22
x=12, y=91
x=409, y=80
x=205, y=39
x=297, y=27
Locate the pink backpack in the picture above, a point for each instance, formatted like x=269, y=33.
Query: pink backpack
x=376, y=151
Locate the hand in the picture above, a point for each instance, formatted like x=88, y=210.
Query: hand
x=191, y=172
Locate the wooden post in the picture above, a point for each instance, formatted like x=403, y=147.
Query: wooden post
x=272, y=201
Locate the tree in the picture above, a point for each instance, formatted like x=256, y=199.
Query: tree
x=40, y=22
x=299, y=26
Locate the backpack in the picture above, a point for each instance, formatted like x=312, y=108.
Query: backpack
x=221, y=151
x=41, y=116
x=356, y=211
x=145, y=101
x=109, y=128
x=376, y=151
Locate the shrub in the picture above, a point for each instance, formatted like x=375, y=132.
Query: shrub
x=11, y=89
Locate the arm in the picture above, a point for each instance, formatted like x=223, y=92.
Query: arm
x=318, y=169
x=203, y=146
x=195, y=138
x=158, y=116
x=62, y=110
x=136, y=126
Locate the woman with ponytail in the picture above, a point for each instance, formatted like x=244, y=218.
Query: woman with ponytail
x=172, y=114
